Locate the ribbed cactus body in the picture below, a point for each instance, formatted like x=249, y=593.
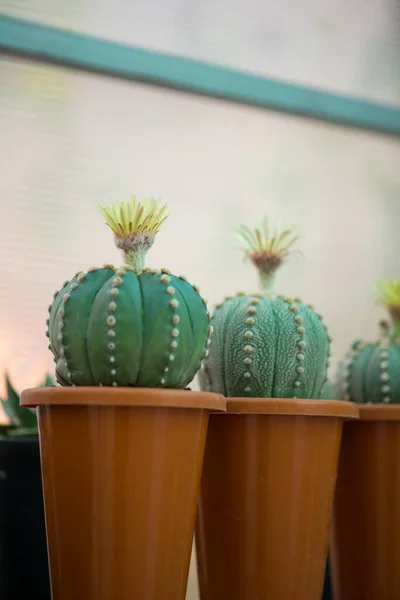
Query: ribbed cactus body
x=370, y=373
x=112, y=327
x=266, y=346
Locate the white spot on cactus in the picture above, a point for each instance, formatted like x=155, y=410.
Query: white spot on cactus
x=92, y=269
x=301, y=345
x=113, y=372
x=294, y=308
x=300, y=370
x=247, y=389
x=60, y=337
x=112, y=306
x=301, y=330
x=173, y=344
x=210, y=330
x=255, y=301
x=182, y=277
x=385, y=389
x=111, y=346
x=108, y=266
x=208, y=342
x=250, y=321
x=111, y=333
x=111, y=320
x=175, y=332
x=206, y=354
x=162, y=381
x=174, y=303
x=248, y=335
x=81, y=277
x=165, y=279
x=166, y=369
x=196, y=288
x=251, y=310
x=386, y=399
x=175, y=319
x=247, y=374
x=384, y=377
x=114, y=292
x=384, y=354
x=170, y=290
x=171, y=358
x=247, y=361
x=384, y=365
x=74, y=286
x=298, y=319
x=155, y=271
x=297, y=383
x=248, y=349
x=61, y=312
x=112, y=359
x=65, y=298
x=61, y=324
x=115, y=384
x=117, y=281
x=166, y=271
x=55, y=294
x=300, y=356
x=120, y=272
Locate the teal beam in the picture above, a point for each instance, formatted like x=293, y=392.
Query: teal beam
x=48, y=44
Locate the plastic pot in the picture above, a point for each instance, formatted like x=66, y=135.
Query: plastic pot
x=365, y=546
x=121, y=472
x=266, y=498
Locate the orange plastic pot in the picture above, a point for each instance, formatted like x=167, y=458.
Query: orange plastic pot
x=365, y=545
x=121, y=473
x=266, y=496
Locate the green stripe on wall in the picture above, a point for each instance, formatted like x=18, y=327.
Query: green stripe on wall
x=97, y=55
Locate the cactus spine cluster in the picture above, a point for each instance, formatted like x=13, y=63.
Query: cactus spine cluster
x=129, y=326
x=266, y=344
x=370, y=371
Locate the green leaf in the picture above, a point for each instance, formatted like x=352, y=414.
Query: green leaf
x=48, y=382
x=5, y=429
x=26, y=417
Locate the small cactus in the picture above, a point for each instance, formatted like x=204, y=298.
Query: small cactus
x=264, y=344
x=129, y=326
x=370, y=371
x=23, y=421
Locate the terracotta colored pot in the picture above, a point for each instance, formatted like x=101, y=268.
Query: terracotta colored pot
x=365, y=546
x=266, y=497
x=121, y=472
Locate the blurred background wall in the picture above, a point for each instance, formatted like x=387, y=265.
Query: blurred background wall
x=71, y=140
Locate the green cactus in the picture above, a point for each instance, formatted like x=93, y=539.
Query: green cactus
x=23, y=421
x=264, y=344
x=129, y=326
x=370, y=372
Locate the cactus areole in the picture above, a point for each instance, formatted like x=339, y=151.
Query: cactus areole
x=370, y=372
x=265, y=344
x=129, y=326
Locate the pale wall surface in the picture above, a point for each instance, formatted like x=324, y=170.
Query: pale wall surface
x=71, y=141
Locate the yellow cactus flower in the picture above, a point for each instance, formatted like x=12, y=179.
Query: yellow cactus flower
x=389, y=292
x=131, y=216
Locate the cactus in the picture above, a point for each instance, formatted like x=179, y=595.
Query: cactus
x=23, y=421
x=370, y=372
x=129, y=326
x=265, y=344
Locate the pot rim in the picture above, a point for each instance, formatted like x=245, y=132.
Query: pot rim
x=292, y=407
x=379, y=412
x=121, y=396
